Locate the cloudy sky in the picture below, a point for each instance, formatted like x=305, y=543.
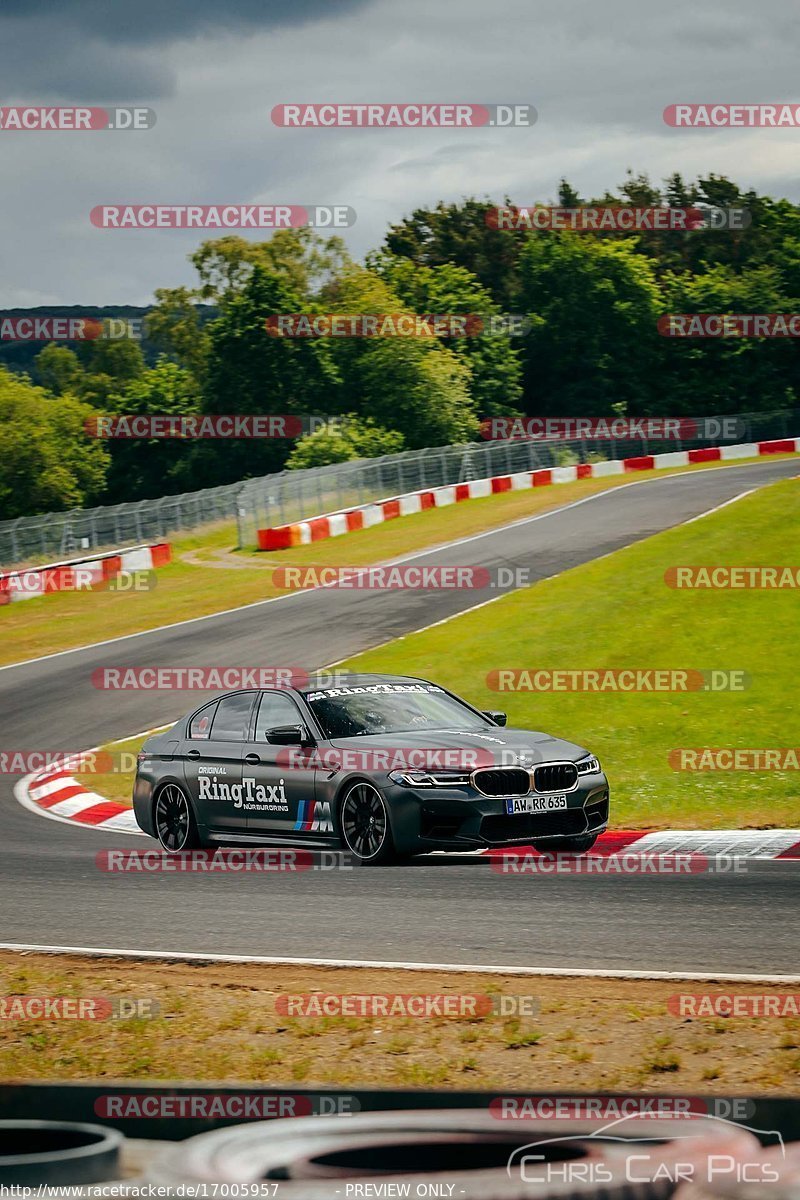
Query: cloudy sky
x=599, y=76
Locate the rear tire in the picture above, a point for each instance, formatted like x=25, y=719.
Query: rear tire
x=365, y=828
x=567, y=845
x=176, y=828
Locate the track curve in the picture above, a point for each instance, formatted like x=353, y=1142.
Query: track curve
x=452, y=909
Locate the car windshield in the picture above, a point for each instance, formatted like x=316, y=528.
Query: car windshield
x=390, y=708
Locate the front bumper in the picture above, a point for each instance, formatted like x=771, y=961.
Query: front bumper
x=462, y=818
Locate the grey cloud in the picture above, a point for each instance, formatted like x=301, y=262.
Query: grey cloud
x=148, y=21
x=599, y=76
x=81, y=70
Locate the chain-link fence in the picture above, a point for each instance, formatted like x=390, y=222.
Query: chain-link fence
x=69, y=534
x=295, y=495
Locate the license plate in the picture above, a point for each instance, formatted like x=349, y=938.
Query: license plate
x=535, y=804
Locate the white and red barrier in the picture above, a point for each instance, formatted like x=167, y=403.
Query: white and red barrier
x=81, y=574
x=316, y=529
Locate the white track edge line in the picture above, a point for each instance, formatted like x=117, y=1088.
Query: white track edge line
x=719, y=507
x=384, y=965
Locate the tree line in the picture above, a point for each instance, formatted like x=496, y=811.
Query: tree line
x=592, y=346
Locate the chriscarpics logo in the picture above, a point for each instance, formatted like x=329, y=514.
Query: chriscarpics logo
x=247, y=795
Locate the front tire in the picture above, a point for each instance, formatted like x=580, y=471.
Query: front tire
x=176, y=828
x=566, y=845
x=364, y=820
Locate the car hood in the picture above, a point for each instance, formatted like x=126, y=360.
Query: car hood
x=500, y=745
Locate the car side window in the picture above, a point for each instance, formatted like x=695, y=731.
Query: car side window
x=200, y=726
x=276, y=709
x=232, y=719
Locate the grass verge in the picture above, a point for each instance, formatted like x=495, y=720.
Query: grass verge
x=618, y=612
x=216, y=1021
x=184, y=589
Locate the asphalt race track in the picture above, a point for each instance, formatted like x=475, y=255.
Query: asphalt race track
x=440, y=909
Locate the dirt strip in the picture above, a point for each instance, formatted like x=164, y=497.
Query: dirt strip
x=276, y=1025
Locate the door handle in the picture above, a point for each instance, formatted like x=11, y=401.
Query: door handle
x=192, y=753
x=252, y=759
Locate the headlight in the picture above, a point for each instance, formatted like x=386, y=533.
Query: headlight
x=430, y=779
x=588, y=765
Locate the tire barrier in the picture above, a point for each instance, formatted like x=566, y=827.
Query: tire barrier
x=466, y=1153
x=453, y=1153
x=774, y=1175
x=57, y=1152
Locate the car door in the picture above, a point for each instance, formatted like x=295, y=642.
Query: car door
x=213, y=761
x=277, y=777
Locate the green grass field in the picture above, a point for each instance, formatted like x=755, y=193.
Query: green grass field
x=192, y=589
x=632, y=619
x=618, y=612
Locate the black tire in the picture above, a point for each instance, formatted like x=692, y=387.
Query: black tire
x=566, y=845
x=176, y=828
x=365, y=828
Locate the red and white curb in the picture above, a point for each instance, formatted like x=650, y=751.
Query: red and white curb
x=737, y=843
x=317, y=529
x=58, y=795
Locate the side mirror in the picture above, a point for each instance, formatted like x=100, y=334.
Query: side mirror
x=289, y=735
x=499, y=718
